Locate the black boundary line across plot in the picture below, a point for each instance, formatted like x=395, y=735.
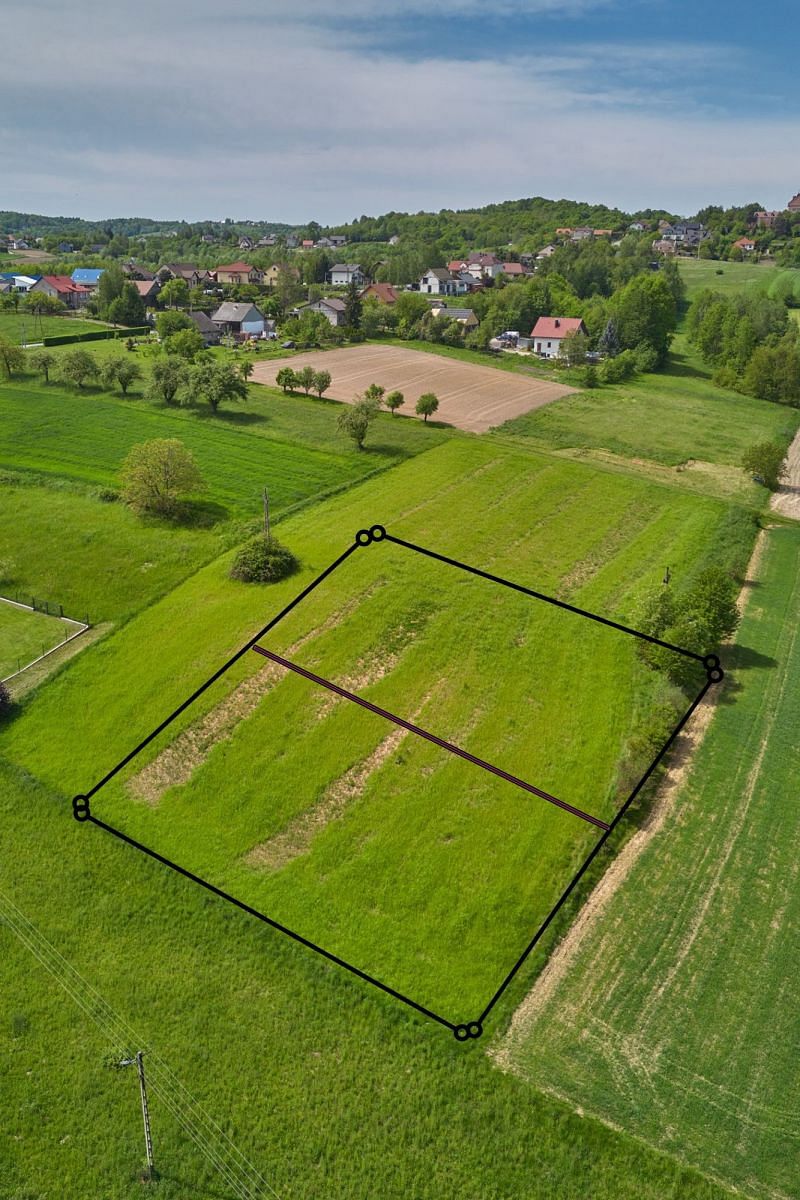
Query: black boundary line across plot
x=463, y=1031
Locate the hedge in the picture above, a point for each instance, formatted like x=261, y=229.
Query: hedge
x=95, y=335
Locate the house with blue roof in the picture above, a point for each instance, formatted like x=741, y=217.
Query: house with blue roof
x=87, y=276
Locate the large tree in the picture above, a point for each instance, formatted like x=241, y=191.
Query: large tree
x=355, y=420
x=12, y=356
x=167, y=377
x=109, y=287
x=122, y=370
x=217, y=384
x=427, y=405
x=352, y=306
x=78, y=366
x=128, y=308
x=175, y=293
x=158, y=475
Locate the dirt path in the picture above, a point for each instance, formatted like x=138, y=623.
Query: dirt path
x=663, y=807
x=786, y=500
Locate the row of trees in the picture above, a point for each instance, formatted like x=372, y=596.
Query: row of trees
x=751, y=341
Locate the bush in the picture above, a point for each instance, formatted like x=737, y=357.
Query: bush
x=725, y=377
x=6, y=703
x=646, y=357
x=263, y=560
x=614, y=370
x=588, y=377
x=764, y=461
x=108, y=495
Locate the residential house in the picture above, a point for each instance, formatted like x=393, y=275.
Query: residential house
x=687, y=234
x=514, y=270
x=380, y=291
x=581, y=234
x=637, y=227
x=204, y=325
x=148, y=289
x=240, y=319
x=547, y=251
x=190, y=273
x=65, y=247
x=208, y=238
x=745, y=244
x=394, y=239
x=238, y=273
x=603, y=232
x=765, y=220
x=19, y=283
x=291, y=241
x=438, y=281
x=271, y=274
x=564, y=231
x=481, y=265
x=331, y=307
x=549, y=333
x=464, y=316
x=245, y=243
x=792, y=206
x=665, y=246
x=337, y=239
x=18, y=243
x=343, y=274
x=74, y=295
x=88, y=277
x=268, y=239
x=134, y=271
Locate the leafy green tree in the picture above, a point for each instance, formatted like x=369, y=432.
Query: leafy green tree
x=574, y=347
x=373, y=315
x=41, y=303
x=217, y=384
x=185, y=344
x=170, y=322
x=43, y=362
x=375, y=393
x=78, y=366
x=168, y=375
x=322, y=381
x=427, y=405
x=175, y=293
x=109, y=287
x=765, y=462
x=393, y=401
x=645, y=310
x=12, y=356
x=305, y=378
x=122, y=371
x=246, y=369
x=128, y=308
x=156, y=476
x=355, y=420
x=286, y=379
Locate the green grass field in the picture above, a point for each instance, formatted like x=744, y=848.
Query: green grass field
x=600, y=539
x=677, y=1018
x=288, y=444
x=24, y=636
x=701, y=273
x=21, y=326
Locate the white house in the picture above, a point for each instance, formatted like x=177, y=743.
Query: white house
x=343, y=274
x=243, y=319
x=548, y=334
x=438, y=281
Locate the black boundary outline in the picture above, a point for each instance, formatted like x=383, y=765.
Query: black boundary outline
x=463, y=1031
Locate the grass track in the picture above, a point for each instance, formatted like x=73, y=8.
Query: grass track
x=678, y=1019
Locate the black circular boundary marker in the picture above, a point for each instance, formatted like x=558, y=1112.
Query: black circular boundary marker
x=80, y=808
x=715, y=675
x=377, y=532
x=711, y=662
x=363, y=537
x=467, y=1032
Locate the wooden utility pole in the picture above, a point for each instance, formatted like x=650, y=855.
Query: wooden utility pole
x=266, y=513
x=148, y=1141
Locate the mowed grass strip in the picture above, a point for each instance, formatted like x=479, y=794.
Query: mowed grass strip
x=86, y=436
x=25, y=636
x=420, y=836
x=678, y=1017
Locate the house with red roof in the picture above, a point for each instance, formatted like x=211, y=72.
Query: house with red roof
x=792, y=206
x=548, y=334
x=74, y=295
x=380, y=291
x=745, y=244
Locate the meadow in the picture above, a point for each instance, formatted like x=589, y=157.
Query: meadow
x=30, y=327
x=701, y=273
x=678, y=1017
x=24, y=636
x=399, y=630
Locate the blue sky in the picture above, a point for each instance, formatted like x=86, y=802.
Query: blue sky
x=261, y=109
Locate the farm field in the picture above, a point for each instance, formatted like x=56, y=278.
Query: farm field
x=25, y=635
x=678, y=418
x=598, y=539
x=471, y=397
x=33, y=328
x=85, y=436
x=677, y=1018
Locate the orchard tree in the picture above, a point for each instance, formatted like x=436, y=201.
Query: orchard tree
x=375, y=392
x=394, y=401
x=41, y=303
x=305, y=378
x=158, y=475
x=167, y=377
x=122, y=371
x=246, y=369
x=186, y=344
x=43, y=362
x=217, y=384
x=427, y=405
x=574, y=347
x=77, y=366
x=286, y=379
x=355, y=420
x=322, y=381
x=12, y=356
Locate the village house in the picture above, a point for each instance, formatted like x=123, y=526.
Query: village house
x=794, y=204
x=438, y=281
x=745, y=244
x=148, y=289
x=18, y=243
x=74, y=295
x=240, y=319
x=664, y=246
x=19, y=283
x=513, y=270
x=564, y=231
x=190, y=273
x=463, y=316
x=547, y=251
x=343, y=274
x=384, y=292
x=637, y=227
x=268, y=239
x=88, y=277
x=765, y=220
x=238, y=273
x=205, y=326
x=332, y=309
x=245, y=242
x=581, y=234
x=548, y=334
x=270, y=276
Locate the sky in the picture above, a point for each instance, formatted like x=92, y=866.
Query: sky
x=327, y=109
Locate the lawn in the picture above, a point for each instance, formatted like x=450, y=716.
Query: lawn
x=23, y=326
x=25, y=635
x=677, y=1018
x=701, y=273
x=287, y=444
x=677, y=419
x=507, y=693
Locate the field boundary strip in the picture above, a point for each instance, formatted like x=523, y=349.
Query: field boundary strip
x=463, y=1031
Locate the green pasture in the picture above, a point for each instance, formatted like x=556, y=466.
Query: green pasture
x=288, y=444
x=25, y=635
x=701, y=273
x=31, y=327
x=493, y=672
x=677, y=1019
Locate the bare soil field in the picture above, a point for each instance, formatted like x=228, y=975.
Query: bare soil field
x=471, y=397
x=786, y=500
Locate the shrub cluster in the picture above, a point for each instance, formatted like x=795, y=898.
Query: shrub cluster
x=263, y=560
x=698, y=619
